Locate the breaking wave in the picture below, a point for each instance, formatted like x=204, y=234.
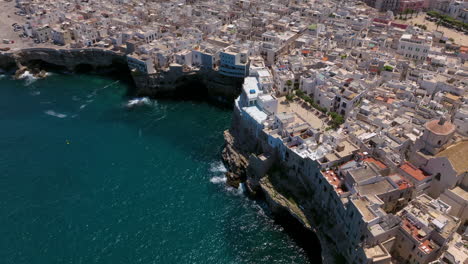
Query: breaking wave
x=53, y=113
x=139, y=102
x=28, y=77
x=218, y=179
x=218, y=167
x=238, y=192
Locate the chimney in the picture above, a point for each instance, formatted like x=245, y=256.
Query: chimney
x=441, y=120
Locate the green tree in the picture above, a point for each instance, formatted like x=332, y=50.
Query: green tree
x=337, y=120
x=289, y=83
x=406, y=13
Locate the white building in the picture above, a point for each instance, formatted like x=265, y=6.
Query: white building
x=414, y=47
x=233, y=63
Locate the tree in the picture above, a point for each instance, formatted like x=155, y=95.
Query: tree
x=406, y=13
x=337, y=120
x=439, y=21
x=289, y=83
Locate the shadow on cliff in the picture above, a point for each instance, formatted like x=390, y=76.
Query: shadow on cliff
x=194, y=88
x=118, y=71
x=304, y=238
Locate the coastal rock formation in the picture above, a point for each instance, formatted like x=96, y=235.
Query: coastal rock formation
x=71, y=59
x=252, y=160
x=7, y=62
x=237, y=163
x=192, y=83
x=175, y=81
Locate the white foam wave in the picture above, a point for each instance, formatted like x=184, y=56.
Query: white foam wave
x=53, y=113
x=218, y=179
x=2, y=76
x=82, y=106
x=28, y=77
x=35, y=93
x=139, y=102
x=238, y=192
x=218, y=167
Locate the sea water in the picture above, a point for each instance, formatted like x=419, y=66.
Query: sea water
x=86, y=178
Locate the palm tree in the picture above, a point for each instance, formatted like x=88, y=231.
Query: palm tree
x=439, y=21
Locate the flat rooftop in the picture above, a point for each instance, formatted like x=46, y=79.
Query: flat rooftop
x=367, y=214
x=307, y=115
x=375, y=188
x=363, y=173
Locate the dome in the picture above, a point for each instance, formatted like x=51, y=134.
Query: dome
x=440, y=127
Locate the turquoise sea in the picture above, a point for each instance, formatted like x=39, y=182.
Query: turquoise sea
x=85, y=179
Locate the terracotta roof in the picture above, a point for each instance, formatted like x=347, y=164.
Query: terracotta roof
x=413, y=171
x=457, y=155
x=435, y=127
x=376, y=162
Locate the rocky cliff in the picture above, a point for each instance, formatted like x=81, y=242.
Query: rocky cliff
x=193, y=83
x=175, y=81
x=283, y=185
x=71, y=59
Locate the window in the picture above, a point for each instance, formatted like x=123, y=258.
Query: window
x=437, y=177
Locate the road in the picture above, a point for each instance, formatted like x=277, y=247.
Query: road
x=7, y=18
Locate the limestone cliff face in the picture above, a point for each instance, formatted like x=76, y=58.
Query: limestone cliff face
x=285, y=185
x=236, y=161
x=7, y=62
x=70, y=58
x=198, y=82
x=174, y=81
